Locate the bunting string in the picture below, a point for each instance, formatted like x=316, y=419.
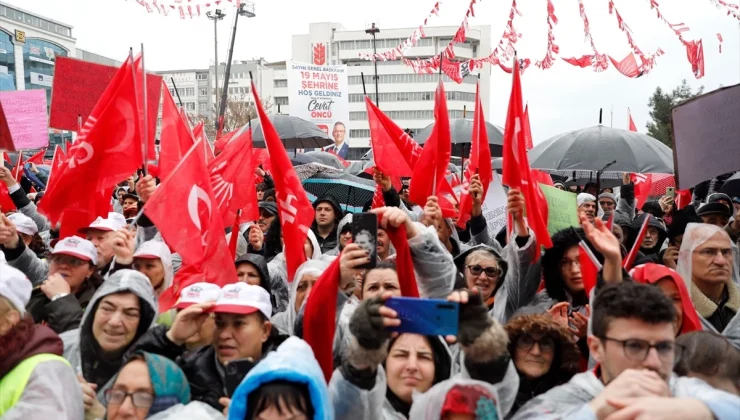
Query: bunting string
x=552, y=48
x=185, y=8
x=731, y=9
x=648, y=61
x=694, y=49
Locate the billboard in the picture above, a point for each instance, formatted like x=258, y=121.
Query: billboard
x=319, y=94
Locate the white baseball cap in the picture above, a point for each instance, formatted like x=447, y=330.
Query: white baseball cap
x=78, y=248
x=114, y=222
x=152, y=250
x=24, y=224
x=243, y=299
x=197, y=293
x=15, y=286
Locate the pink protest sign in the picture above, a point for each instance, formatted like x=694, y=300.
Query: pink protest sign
x=25, y=111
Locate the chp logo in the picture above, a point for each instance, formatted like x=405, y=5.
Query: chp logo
x=72, y=242
x=194, y=292
x=232, y=293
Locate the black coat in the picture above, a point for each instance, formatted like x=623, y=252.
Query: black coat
x=65, y=313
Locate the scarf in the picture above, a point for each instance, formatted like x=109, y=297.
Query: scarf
x=320, y=311
x=706, y=307
x=24, y=340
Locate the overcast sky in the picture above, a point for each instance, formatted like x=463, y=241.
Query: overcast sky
x=561, y=98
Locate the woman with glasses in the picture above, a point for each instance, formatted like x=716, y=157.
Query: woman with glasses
x=147, y=384
x=543, y=353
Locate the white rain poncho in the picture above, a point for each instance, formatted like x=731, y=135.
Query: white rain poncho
x=158, y=249
x=697, y=234
x=285, y=321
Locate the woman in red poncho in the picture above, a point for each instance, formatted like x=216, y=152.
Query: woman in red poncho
x=673, y=286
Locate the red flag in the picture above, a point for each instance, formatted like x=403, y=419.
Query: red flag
x=633, y=127
x=394, y=151
x=6, y=203
x=542, y=177
x=232, y=178
x=480, y=161
x=6, y=157
x=643, y=185
x=378, y=200
x=107, y=150
x=18, y=169
x=56, y=164
x=175, y=138
x=630, y=259
x=527, y=129
x=73, y=220
x=6, y=140
x=610, y=222
x=429, y=171
x=683, y=198
x=516, y=171
x=222, y=141
x=183, y=209
x=590, y=267
x=234, y=240
x=38, y=157
x=199, y=133
x=296, y=212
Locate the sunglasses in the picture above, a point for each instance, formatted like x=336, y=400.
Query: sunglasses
x=491, y=272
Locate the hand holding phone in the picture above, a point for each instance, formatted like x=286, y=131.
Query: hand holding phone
x=365, y=235
x=670, y=192
x=425, y=316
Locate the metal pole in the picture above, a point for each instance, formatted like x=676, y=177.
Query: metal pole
x=215, y=17
x=611, y=117
x=174, y=86
x=373, y=30
x=224, y=92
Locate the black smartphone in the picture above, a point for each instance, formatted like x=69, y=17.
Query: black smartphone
x=235, y=371
x=365, y=234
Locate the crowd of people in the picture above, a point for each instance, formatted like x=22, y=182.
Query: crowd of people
x=82, y=335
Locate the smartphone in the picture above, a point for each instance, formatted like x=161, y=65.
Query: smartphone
x=365, y=234
x=425, y=316
x=670, y=192
x=235, y=371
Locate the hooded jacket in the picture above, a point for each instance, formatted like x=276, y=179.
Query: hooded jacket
x=279, y=296
x=570, y=401
x=293, y=362
x=651, y=254
x=279, y=271
x=565, y=363
x=331, y=241
x=285, y=321
x=80, y=346
x=342, y=223
x=42, y=397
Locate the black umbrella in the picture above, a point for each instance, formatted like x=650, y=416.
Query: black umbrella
x=461, y=132
x=351, y=192
x=296, y=133
x=603, y=149
x=303, y=159
x=731, y=186
x=328, y=159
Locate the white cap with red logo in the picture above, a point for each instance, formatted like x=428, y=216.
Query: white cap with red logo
x=114, y=222
x=243, y=299
x=24, y=224
x=78, y=248
x=197, y=293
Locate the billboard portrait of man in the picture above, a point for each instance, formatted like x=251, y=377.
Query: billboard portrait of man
x=340, y=148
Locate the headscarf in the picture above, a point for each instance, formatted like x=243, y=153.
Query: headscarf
x=315, y=244
x=158, y=249
x=169, y=383
x=652, y=273
x=285, y=320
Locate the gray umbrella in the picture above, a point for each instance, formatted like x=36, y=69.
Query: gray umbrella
x=461, y=131
x=605, y=149
x=328, y=159
x=296, y=133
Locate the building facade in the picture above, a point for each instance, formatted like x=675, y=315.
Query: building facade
x=406, y=97
x=191, y=88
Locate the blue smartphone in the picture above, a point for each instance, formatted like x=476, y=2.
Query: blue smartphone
x=425, y=316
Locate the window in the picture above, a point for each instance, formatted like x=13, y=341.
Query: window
x=281, y=100
x=172, y=92
x=408, y=78
x=202, y=76
x=203, y=106
x=358, y=134
x=280, y=83
x=203, y=92
x=347, y=45
x=366, y=43
x=425, y=42
x=190, y=106
x=189, y=91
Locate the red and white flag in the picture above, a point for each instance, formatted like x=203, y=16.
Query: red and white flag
x=175, y=138
x=516, y=170
x=232, y=178
x=184, y=210
x=629, y=261
x=56, y=165
x=108, y=149
x=590, y=267
x=296, y=211
x=633, y=127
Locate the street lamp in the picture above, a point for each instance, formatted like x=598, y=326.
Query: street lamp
x=374, y=30
x=215, y=17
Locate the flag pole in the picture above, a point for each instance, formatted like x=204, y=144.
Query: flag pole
x=145, y=142
x=611, y=117
x=174, y=86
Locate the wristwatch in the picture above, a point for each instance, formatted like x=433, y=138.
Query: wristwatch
x=58, y=296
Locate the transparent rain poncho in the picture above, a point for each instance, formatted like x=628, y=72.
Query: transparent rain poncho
x=696, y=234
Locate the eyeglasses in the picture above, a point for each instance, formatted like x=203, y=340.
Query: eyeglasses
x=526, y=342
x=61, y=259
x=140, y=399
x=710, y=253
x=637, y=350
x=491, y=272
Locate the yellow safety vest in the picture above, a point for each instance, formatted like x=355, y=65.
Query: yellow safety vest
x=14, y=382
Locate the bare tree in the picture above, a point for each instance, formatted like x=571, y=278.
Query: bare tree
x=239, y=110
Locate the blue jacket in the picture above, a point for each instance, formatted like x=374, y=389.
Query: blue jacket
x=293, y=362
